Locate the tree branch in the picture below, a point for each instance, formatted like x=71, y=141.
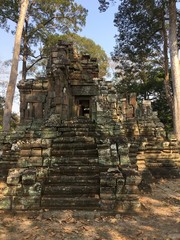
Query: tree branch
x=39, y=59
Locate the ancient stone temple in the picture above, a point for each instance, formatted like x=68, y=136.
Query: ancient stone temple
x=79, y=144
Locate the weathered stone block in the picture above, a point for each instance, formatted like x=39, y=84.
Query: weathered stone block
x=15, y=190
x=36, y=152
x=14, y=176
x=23, y=162
x=124, y=160
x=3, y=188
x=123, y=150
x=108, y=190
x=104, y=156
x=46, y=152
x=108, y=182
x=54, y=54
x=35, y=161
x=13, y=179
x=34, y=190
x=49, y=134
x=41, y=174
x=25, y=152
x=29, y=177
x=107, y=196
x=46, y=142
x=46, y=162
x=105, y=161
x=26, y=203
x=5, y=203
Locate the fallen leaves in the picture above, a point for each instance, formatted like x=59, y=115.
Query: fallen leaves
x=160, y=221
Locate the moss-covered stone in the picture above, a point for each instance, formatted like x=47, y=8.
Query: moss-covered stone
x=5, y=202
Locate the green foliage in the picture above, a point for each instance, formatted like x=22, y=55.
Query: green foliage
x=104, y=4
x=44, y=17
x=147, y=83
x=83, y=45
x=139, y=25
x=139, y=51
x=164, y=113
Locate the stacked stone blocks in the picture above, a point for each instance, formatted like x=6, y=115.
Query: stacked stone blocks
x=80, y=145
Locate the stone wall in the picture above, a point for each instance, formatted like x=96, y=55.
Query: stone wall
x=68, y=77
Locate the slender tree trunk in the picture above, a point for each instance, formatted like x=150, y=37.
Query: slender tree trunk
x=25, y=52
x=175, y=68
x=14, y=68
x=166, y=68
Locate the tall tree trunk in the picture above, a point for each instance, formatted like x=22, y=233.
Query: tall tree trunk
x=25, y=51
x=14, y=68
x=166, y=68
x=175, y=68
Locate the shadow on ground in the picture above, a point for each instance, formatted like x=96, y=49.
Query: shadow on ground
x=159, y=220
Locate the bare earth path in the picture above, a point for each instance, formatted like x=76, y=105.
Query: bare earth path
x=160, y=220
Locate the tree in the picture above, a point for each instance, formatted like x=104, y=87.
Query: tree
x=175, y=67
x=83, y=45
x=53, y=16
x=14, y=68
x=1, y=110
x=14, y=117
x=142, y=31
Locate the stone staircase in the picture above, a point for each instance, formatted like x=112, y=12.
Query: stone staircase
x=73, y=180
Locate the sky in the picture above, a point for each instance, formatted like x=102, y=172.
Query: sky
x=99, y=27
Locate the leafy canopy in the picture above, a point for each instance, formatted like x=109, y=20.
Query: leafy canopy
x=83, y=45
x=44, y=17
x=139, y=51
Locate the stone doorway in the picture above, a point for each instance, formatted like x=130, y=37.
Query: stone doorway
x=83, y=107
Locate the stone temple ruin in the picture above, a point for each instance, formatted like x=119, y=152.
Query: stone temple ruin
x=79, y=144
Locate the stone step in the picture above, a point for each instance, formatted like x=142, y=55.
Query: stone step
x=58, y=161
x=79, y=146
x=9, y=157
x=74, y=152
x=74, y=139
x=78, y=203
x=74, y=170
x=75, y=180
x=69, y=190
x=74, y=134
x=78, y=120
x=77, y=127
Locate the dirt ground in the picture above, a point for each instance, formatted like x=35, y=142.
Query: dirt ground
x=160, y=220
